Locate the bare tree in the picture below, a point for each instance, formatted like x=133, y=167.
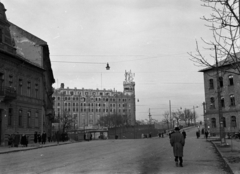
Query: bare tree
x=166, y=118
x=67, y=120
x=177, y=115
x=224, y=23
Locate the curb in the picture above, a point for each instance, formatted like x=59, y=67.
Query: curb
x=33, y=148
x=225, y=161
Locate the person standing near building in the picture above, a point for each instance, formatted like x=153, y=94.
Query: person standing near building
x=177, y=141
x=184, y=134
x=35, y=137
x=44, y=137
x=206, y=134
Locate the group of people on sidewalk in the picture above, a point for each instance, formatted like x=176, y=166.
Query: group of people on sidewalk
x=38, y=138
x=14, y=140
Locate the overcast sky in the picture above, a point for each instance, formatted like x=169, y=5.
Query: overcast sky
x=149, y=37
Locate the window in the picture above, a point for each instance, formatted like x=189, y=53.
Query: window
x=73, y=104
x=1, y=81
x=36, y=120
x=230, y=79
x=224, y=121
x=1, y=36
x=69, y=104
x=222, y=102
x=20, y=118
x=221, y=82
x=211, y=86
x=58, y=104
x=212, y=103
x=10, y=115
x=10, y=80
x=65, y=104
x=36, y=90
x=20, y=84
x=28, y=118
x=232, y=100
x=233, y=121
x=213, y=121
x=29, y=88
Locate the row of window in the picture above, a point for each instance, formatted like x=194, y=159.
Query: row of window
x=83, y=99
x=96, y=110
x=91, y=104
x=231, y=98
x=86, y=93
x=30, y=91
x=28, y=118
x=233, y=122
x=230, y=82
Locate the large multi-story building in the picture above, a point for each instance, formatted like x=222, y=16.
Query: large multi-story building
x=88, y=105
x=229, y=82
x=26, y=80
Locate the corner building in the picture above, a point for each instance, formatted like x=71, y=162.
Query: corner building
x=88, y=105
x=229, y=83
x=26, y=80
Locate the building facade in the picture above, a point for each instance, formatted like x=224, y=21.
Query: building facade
x=26, y=89
x=88, y=105
x=229, y=82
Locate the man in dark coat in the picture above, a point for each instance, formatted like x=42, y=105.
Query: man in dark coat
x=184, y=134
x=44, y=137
x=177, y=141
x=35, y=137
x=16, y=140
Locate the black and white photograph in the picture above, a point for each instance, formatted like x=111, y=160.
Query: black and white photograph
x=119, y=87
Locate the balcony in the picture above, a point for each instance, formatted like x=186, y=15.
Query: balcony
x=7, y=93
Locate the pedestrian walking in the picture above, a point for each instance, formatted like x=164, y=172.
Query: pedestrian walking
x=184, y=134
x=198, y=134
x=44, y=137
x=24, y=140
x=206, y=134
x=16, y=140
x=10, y=140
x=39, y=138
x=177, y=141
x=35, y=137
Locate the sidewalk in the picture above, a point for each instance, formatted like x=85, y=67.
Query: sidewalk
x=6, y=149
x=230, y=152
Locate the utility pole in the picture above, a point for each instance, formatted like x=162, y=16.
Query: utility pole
x=170, y=113
x=221, y=129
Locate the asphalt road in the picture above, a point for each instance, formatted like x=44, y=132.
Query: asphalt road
x=152, y=155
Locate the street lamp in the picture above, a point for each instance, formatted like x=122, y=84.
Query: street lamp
x=107, y=67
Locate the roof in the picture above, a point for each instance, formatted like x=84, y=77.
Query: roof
x=225, y=62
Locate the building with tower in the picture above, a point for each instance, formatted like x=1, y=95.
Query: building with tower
x=88, y=105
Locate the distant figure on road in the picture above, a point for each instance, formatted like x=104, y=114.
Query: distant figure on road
x=184, y=134
x=198, y=134
x=206, y=134
x=16, y=140
x=177, y=141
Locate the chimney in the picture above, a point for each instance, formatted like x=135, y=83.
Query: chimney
x=62, y=86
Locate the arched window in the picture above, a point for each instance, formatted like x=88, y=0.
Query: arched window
x=224, y=121
x=222, y=102
x=233, y=121
x=232, y=100
x=230, y=79
x=212, y=103
x=28, y=118
x=20, y=118
x=213, y=121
